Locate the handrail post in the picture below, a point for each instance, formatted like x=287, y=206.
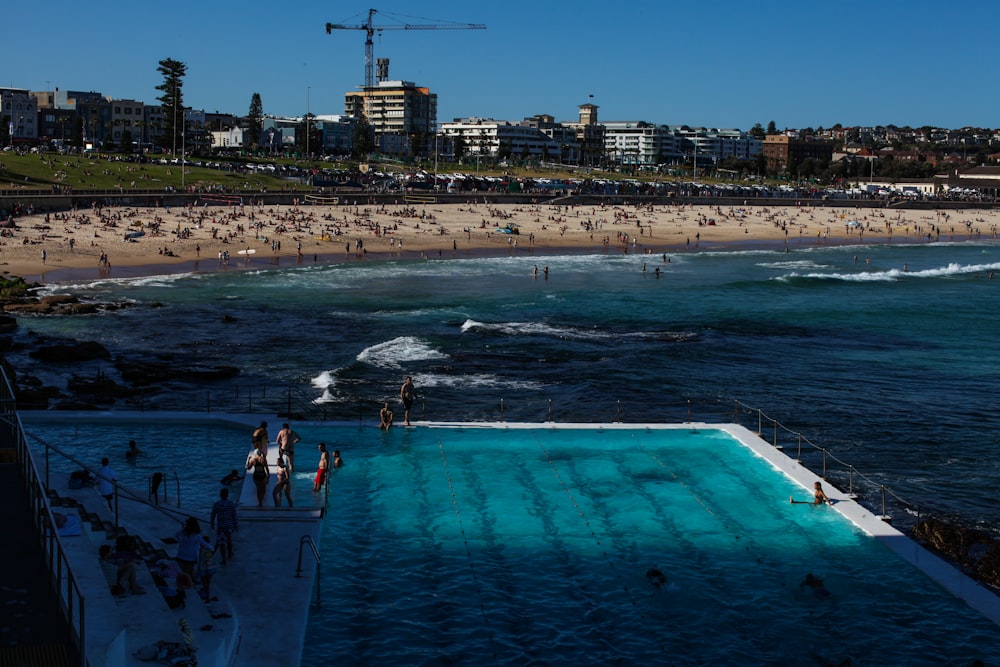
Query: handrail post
x=618, y=418
x=501, y=409
x=689, y=410
x=824, y=463
x=304, y=540
x=798, y=457
x=550, y=410
x=760, y=423
x=774, y=428
x=850, y=484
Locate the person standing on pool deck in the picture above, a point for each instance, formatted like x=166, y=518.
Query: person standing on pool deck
x=261, y=474
x=324, y=467
x=106, y=477
x=260, y=439
x=225, y=523
x=819, y=497
x=287, y=439
x=282, y=484
x=406, y=394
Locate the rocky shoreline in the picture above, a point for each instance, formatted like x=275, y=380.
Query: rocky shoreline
x=85, y=388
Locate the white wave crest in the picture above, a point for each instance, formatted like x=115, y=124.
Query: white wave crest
x=323, y=380
x=477, y=381
x=398, y=351
x=535, y=329
x=893, y=275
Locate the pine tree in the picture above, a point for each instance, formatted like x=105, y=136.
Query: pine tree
x=172, y=102
x=255, y=121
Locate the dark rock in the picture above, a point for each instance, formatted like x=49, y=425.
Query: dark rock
x=972, y=549
x=54, y=300
x=8, y=324
x=36, y=399
x=97, y=387
x=149, y=373
x=76, y=405
x=85, y=351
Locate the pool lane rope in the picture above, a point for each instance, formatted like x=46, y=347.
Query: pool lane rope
x=610, y=560
x=468, y=551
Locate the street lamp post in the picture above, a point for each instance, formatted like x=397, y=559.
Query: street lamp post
x=308, y=120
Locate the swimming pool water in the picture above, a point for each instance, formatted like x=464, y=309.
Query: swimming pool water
x=530, y=546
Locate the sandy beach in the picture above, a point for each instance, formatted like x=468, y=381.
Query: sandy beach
x=132, y=242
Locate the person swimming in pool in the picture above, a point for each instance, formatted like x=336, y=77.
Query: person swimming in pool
x=656, y=577
x=815, y=584
x=819, y=497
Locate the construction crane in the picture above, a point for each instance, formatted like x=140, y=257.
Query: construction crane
x=369, y=27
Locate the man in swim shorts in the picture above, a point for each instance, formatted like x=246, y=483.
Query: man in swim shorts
x=406, y=394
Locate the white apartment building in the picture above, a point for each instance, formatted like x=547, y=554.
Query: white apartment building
x=498, y=138
x=628, y=142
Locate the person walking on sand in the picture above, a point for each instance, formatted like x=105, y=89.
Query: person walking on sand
x=324, y=467
x=406, y=394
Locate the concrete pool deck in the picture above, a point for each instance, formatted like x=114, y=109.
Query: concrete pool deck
x=262, y=610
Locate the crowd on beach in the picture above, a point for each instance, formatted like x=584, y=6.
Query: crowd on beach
x=170, y=239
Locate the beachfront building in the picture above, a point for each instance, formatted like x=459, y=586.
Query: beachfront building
x=781, y=150
x=631, y=143
x=589, y=134
x=95, y=114
x=277, y=134
x=336, y=132
x=565, y=137
x=712, y=145
x=226, y=139
x=127, y=120
x=398, y=109
x=502, y=139
x=18, y=116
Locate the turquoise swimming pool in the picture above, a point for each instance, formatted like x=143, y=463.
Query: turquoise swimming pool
x=531, y=546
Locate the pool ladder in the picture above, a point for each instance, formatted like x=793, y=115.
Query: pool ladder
x=303, y=541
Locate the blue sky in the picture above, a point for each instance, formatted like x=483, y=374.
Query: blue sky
x=714, y=63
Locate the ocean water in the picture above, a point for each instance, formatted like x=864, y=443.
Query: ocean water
x=892, y=371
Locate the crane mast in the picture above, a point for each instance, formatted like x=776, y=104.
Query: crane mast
x=369, y=27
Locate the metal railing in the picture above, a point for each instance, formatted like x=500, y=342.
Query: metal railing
x=871, y=493
x=72, y=604
x=306, y=540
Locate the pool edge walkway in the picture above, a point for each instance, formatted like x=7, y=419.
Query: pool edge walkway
x=946, y=575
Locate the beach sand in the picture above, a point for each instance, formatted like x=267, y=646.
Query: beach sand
x=69, y=246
